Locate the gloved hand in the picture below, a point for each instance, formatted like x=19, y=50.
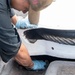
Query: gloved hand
x=38, y=65
x=24, y=23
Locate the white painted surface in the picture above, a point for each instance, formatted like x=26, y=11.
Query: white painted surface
x=43, y=47
x=59, y=15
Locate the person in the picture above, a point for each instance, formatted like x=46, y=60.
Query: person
x=11, y=45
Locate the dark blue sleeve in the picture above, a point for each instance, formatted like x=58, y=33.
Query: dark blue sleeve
x=9, y=39
x=12, y=13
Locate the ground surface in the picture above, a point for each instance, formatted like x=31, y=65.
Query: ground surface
x=12, y=68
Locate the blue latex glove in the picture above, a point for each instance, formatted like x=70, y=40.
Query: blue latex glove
x=24, y=23
x=38, y=65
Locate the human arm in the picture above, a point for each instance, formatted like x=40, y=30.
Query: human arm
x=23, y=58
x=21, y=22
x=14, y=19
